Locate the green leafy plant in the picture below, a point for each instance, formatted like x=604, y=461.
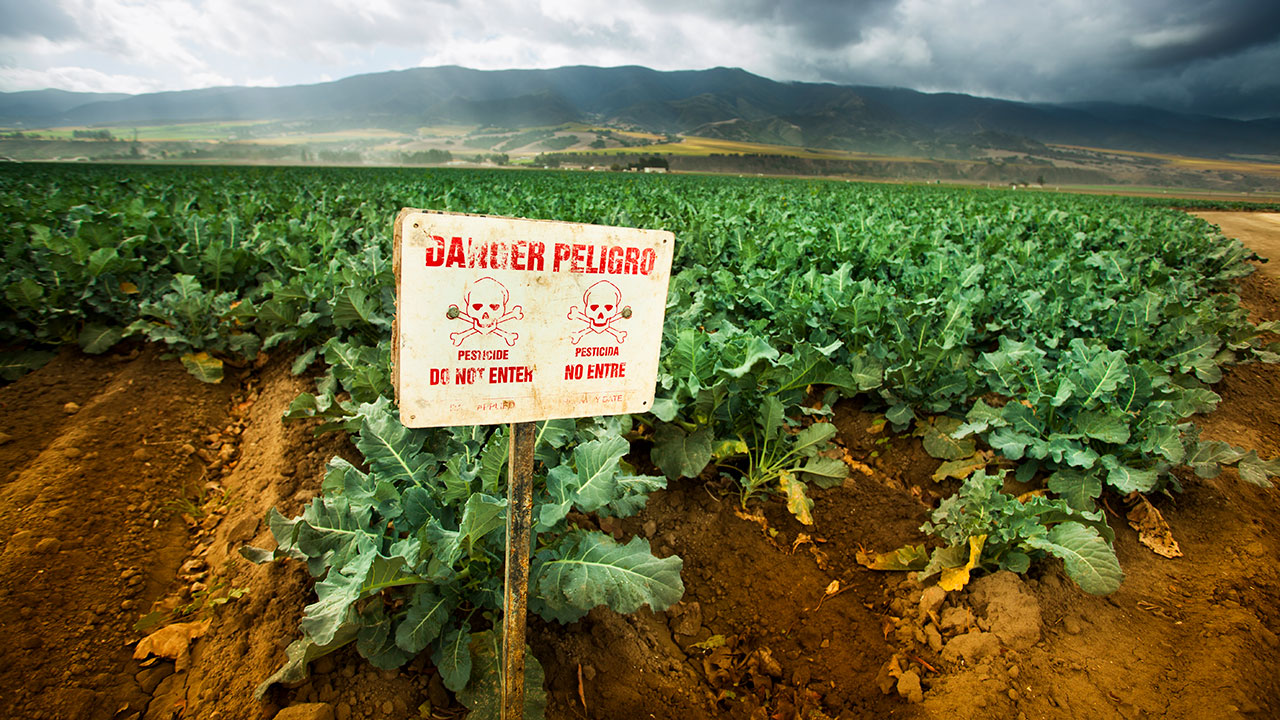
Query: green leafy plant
x=1071, y=336
x=408, y=555
x=738, y=402
x=984, y=528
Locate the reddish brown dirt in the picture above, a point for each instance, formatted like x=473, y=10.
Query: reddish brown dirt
x=138, y=499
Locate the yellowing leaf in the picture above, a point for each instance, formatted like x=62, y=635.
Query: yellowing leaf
x=1024, y=497
x=961, y=468
x=128, y=288
x=907, y=557
x=203, y=366
x=953, y=579
x=710, y=643
x=728, y=448
x=832, y=588
x=797, y=502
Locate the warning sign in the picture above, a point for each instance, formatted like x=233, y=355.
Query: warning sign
x=501, y=320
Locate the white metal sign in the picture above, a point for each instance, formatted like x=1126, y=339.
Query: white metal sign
x=500, y=320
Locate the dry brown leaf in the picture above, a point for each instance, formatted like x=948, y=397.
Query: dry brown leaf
x=963, y=467
x=1152, y=529
x=172, y=642
x=801, y=539
x=752, y=517
x=819, y=557
x=833, y=589
x=858, y=465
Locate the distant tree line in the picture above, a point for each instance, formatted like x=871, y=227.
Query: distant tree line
x=555, y=160
x=657, y=161
x=92, y=135
x=426, y=157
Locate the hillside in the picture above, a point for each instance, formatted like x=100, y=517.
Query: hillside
x=718, y=103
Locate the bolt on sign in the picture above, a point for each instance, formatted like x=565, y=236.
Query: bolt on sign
x=501, y=320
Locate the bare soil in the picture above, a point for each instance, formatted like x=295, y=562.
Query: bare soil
x=126, y=487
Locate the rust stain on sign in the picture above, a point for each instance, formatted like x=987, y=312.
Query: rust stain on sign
x=503, y=320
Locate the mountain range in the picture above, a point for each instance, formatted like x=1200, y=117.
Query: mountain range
x=719, y=103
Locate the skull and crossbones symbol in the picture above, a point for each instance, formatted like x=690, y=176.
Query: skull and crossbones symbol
x=485, y=307
x=600, y=309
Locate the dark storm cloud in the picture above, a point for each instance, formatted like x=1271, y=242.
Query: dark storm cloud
x=1210, y=56
x=1204, y=56
x=34, y=18
x=1209, y=30
x=814, y=23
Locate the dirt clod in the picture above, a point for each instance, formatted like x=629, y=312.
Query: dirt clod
x=1012, y=611
x=909, y=686
x=970, y=647
x=931, y=599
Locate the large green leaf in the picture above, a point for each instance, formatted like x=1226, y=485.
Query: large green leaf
x=97, y=339
x=427, y=615
x=1103, y=426
x=376, y=641
x=679, y=453
x=743, y=353
x=394, y=452
x=452, y=657
x=806, y=365
x=824, y=472
x=15, y=364
x=939, y=440
x=336, y=595
x=551, y=435
x=1097, y=371
x=203, y=366
x=633, y=492
x=1089, y=560
x=481, y=515
x=1079, y=489
x=1255, y=470
x=354, y=308
x=25, y=293
x=331, y=531
x=301, y=652
x=691, y=360
x=483, y=696
x=596, y=472
x=590, y=569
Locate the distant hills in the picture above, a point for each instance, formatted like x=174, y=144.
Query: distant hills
x=722, y=103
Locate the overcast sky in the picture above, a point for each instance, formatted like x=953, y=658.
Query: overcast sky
x=1219, y=57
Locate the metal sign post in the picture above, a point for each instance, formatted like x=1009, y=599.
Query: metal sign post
x=516, y=588
x=500, y=320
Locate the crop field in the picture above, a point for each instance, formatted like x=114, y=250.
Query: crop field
x=701, y=146
x=1270, y=169
x=916, y=451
